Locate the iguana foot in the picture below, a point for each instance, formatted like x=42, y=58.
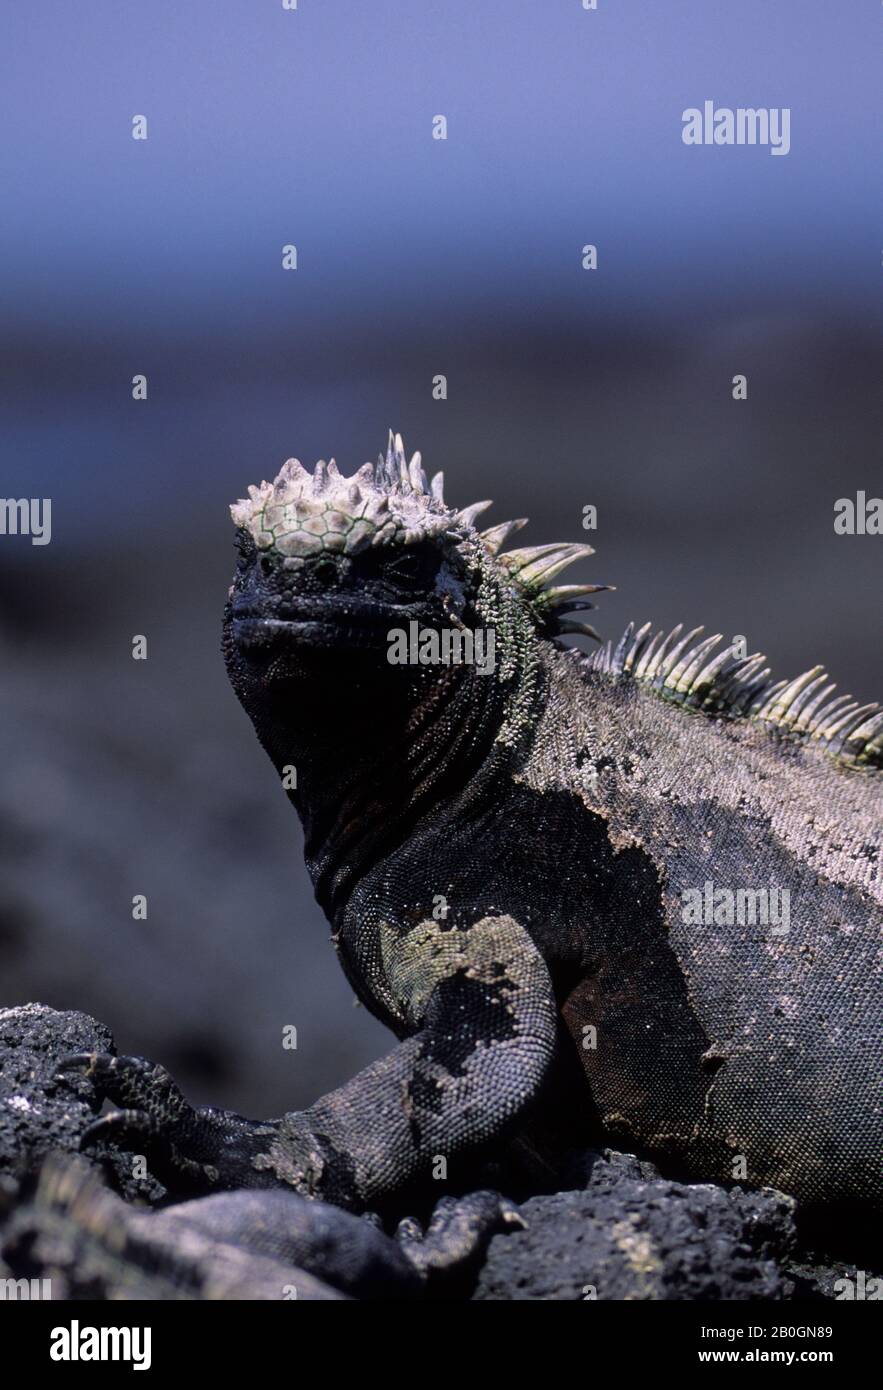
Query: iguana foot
x=198, y=1147
x=458, y=1234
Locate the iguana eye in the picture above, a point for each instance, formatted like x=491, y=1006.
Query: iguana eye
x=411, y=567
x=407, y=566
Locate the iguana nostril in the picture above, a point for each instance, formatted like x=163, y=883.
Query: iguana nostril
x=326, y=573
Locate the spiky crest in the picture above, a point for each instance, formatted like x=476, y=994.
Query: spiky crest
x=391, y=501
x=684, y=670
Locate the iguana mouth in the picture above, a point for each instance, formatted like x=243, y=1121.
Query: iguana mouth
x=353, y=630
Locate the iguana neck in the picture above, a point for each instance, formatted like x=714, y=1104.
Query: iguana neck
x=373, y=748
x=364, y=806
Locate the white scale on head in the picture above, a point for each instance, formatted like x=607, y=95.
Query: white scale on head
x=391, y=502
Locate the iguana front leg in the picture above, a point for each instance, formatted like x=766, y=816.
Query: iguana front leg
x=482, y=1008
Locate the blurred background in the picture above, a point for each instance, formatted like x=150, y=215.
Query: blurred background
x=416, y=257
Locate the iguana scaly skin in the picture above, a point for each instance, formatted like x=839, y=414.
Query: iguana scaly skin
x=505, y=858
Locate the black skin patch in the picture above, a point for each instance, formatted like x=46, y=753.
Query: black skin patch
x=465, y=1001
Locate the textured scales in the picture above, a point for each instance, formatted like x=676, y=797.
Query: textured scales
x=505, y=863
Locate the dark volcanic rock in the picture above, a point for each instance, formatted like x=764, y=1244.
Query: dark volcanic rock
x=628, y=1238
x=39, y=1113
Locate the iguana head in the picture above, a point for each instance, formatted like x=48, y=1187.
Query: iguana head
x=329, y=562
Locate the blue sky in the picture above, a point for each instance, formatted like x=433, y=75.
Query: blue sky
x=268, y=126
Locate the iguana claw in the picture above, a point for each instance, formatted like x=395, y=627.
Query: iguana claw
x=458, y=1234
x=199, y=1146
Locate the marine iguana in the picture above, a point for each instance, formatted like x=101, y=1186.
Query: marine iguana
x=505, y=858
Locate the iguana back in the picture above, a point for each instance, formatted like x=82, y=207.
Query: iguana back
x=741, y=1047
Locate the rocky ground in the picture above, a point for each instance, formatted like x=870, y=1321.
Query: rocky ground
x=103, y=1227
